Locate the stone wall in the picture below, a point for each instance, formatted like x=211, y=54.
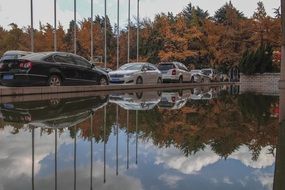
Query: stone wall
x=266, y=83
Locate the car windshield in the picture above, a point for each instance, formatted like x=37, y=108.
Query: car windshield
x=163, y=67
x=134, y=67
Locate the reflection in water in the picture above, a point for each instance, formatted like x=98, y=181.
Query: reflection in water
x=208, y=138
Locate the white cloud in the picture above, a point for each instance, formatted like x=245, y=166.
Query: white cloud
x=175, y=159
x=227, y=181
x=266, y=180
x=170, y=180
x=244, y=155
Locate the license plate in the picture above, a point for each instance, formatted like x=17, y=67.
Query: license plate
x=115, y=79
x=8, y=77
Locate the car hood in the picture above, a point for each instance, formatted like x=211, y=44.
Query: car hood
x=123, y=72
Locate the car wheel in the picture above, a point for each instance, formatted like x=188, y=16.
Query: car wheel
x=159, y=81
x=54, y=80
x=103, y=81
x=180, y=80
x=139, y=80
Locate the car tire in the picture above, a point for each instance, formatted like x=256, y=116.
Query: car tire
x=54, y=80
x=139, y=80
x=192, y=80
x=180, y=80
x=103, y=81
x=159, y=81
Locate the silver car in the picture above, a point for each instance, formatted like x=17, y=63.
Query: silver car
x=136, y=73
x=174, y=72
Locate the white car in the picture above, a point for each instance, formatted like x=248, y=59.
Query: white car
x=213, y=74
x=136, y=101
x=198, y=76
x=174, y=100
x=174, y=72
x=136, y=73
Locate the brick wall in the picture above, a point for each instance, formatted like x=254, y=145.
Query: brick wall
x=266, y=83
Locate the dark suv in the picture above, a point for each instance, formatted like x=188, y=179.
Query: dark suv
x=51, y=68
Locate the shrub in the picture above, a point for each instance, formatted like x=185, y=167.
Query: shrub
x=259, y=61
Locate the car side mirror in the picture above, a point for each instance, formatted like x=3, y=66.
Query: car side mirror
x=144, y=69
x=92, y=65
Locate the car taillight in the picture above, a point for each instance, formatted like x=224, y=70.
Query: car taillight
x=25, y=65
x=173, y=72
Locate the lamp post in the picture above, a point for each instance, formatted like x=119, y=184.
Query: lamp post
x=129, y=28
x=54, y=32
x=32, y=27
x=105, y=35
x=138, y=29
x=118, y=33
x=91, y=33
x=74, y=29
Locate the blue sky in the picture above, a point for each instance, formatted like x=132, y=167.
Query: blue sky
x=20, y=14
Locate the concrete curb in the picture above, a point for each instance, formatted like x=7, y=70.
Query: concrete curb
x=20, y=91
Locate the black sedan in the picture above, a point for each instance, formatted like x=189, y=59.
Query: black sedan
x=52, y=69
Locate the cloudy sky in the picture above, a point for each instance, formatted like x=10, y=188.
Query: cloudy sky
x=18, y=11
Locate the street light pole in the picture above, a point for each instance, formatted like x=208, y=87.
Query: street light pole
x=74, y=29
x=138, y=28
x=105, y=35
x=118, y=33
x=91, y=33
x=32, y=27
x=54, y=34
x=129, y=28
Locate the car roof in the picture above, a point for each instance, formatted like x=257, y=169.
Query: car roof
x=42, y=55
x=16, y=52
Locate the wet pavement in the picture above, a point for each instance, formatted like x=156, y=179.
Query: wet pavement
x=199, y=138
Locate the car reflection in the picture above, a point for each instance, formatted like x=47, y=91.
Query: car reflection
x=204, y=93
x=136, y=101
x=56, y=113
x=174, y=99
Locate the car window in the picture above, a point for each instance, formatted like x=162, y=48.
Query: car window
x=167, y=66
x=151, y=67
x=49, y=59
x=81, y=62
x=182, y=67
x=63, y=59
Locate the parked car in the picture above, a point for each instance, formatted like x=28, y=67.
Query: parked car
x=136, y=73
x=213, y=74
x=13, y=54
x=51, y=68
x=198, y=76
x=174, y=72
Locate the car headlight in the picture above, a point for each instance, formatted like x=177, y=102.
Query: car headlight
x=128, y=75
